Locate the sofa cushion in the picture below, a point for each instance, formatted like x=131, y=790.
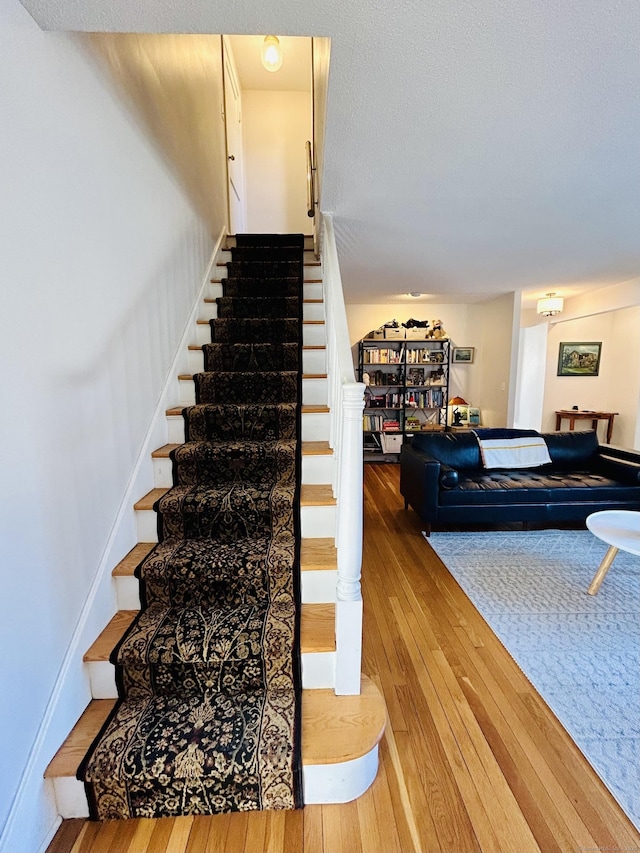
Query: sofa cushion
x=572, y=450
x=456, y=449
x=539, y=486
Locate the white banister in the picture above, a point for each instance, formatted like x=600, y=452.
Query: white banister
x=346, y=402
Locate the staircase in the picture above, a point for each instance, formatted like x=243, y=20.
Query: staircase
x=339, y=733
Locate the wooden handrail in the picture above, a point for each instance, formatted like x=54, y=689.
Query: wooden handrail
x=311, y=183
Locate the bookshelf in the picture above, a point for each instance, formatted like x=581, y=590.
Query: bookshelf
x=407, y=390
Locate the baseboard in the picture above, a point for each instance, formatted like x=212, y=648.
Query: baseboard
x=33, y=815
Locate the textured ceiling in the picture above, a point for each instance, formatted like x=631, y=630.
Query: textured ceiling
x=472, y=147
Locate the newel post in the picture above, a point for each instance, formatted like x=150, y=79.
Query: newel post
x=349, y=542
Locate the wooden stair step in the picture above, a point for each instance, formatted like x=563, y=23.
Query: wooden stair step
x=184, y=377
x=147, y=501
x=309, y=448
x=309, y=409
x=315, y=555
x=128, y=563
x=335, y=729
x=310, y=495
x=317, y=632
x=198, y=347
x=318, y=554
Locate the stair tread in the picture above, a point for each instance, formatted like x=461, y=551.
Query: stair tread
x=309, y=448
x=198, y=347
x=315, y=555
x=176, y=411
x=185, y=377
x=304, y=322
x=147, y=501
x=317, y=628
x=128, y=563
x=317, y=631
x=335, y=729
x=318, y=554
x=311, y=495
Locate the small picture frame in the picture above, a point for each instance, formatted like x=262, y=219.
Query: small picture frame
x=463, y=355
x=473, y=416
x=579, y=358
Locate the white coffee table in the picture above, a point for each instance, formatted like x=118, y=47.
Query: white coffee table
x=620, y=529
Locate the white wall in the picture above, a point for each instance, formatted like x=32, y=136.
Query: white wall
x=531, y=371
x=275, y=127
x=101, y=259
x=617, y=386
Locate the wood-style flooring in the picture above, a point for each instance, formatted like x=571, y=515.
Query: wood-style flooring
x=472, y=759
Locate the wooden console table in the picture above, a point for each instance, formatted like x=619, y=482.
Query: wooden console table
x=572, y=415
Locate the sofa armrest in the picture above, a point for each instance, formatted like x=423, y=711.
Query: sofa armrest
x=618, y=464
x=420, y=482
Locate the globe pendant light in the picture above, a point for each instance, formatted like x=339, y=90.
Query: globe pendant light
x=271, y=53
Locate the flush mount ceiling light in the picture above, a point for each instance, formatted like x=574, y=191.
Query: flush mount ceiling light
x=415, y=294
x=550, y=305
x=271, y=53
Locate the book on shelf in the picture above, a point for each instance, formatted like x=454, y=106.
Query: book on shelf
x=391, y=426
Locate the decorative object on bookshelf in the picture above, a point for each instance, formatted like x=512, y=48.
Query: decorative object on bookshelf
x=474, y=416
x=415, y=376
x=463, y=355
x=459, y=410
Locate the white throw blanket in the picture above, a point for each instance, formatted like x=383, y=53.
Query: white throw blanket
x=524, y=452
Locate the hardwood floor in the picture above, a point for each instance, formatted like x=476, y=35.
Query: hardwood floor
x=472, y=759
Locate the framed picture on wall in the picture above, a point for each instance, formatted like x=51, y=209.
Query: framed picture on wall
x=579, y=358
x=463, y=355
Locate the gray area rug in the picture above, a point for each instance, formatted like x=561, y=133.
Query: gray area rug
x=582, y=653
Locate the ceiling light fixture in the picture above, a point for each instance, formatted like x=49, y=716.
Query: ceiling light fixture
x=415, y=294
x=550, y=305
x=271, y=53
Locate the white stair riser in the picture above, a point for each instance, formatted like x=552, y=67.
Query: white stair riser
x=318, y=522
x=208, y=311
x=318, y=672
x=315, y=427
x=314, y=392
x=175, y=429
x=322, y=783
x=127, y=592
x=315, y=522
x=316, y=470
x=313, y=334
x=339, y=783
x=313, y=361
x=313, y=311
x=317, y=587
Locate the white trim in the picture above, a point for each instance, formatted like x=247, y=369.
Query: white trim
x=75, y=681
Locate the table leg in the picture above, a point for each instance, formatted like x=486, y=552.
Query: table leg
x=609, y=428
x=605, y=565
x=558, y=422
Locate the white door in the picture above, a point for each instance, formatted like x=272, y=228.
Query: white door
x=233, y=124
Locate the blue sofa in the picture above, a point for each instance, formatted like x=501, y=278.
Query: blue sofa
x=443, y=479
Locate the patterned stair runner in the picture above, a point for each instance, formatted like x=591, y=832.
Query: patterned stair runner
x=208, y=675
